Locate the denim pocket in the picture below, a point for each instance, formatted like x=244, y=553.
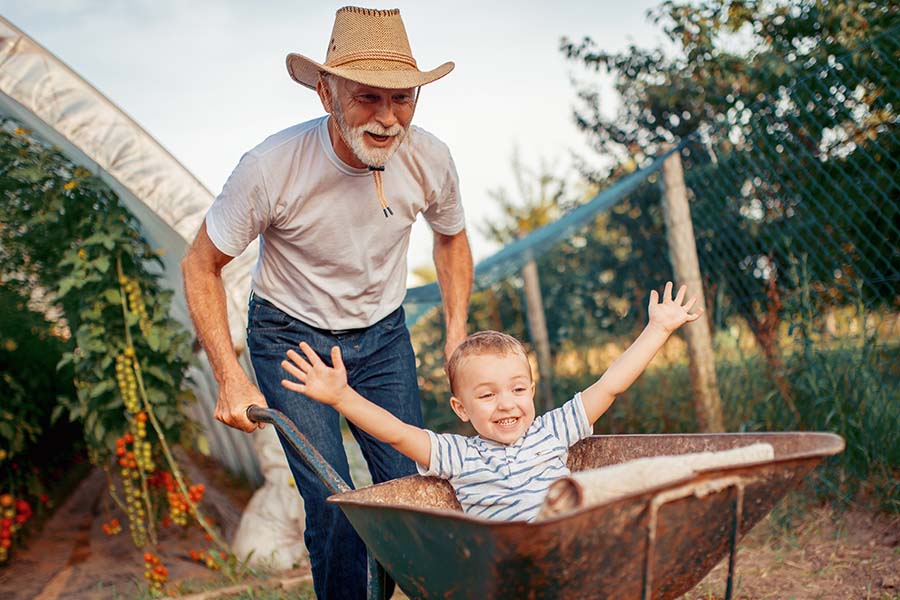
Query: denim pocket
x=265, y=317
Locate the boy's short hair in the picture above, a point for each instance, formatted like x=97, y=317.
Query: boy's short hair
x=480, y=343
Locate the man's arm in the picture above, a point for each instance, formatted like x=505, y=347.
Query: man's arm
x=453, y=263
x=665, y=318
x=201, y=269
x=329, y=385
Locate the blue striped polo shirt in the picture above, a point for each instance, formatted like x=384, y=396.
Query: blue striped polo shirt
x=509, y=482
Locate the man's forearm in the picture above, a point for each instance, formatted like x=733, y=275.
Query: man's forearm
x=206, y=300
x=453, y=263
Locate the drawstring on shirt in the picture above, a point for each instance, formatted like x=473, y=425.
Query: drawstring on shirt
x=379, y=189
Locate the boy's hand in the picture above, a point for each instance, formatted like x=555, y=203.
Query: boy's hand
x=317, y=380
x=670, y=314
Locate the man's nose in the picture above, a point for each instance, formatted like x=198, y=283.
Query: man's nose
x=385, y=114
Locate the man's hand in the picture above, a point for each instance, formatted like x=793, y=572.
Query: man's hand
x=235, y=396
x=317, y=380
x=670, y=314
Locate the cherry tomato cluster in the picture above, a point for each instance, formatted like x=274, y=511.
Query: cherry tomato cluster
x=14, y=513
x=179, y=507
x=211, y=558
x=155, y=572
x=131, y=461
x=127, y=381
x=136, y=302
x=112, y=527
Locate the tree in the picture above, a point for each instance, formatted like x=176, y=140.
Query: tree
x=811, y=94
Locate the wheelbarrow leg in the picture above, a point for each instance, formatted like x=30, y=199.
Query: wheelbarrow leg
x=676, y=494
x=735, y=531
x=377, y=581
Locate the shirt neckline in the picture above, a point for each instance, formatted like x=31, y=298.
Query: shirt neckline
x=328, y=149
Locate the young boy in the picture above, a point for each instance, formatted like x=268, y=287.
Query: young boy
x=504, y=471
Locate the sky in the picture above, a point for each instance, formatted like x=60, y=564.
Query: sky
x=207, y=78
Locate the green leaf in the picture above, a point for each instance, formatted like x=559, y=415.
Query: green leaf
x=99, y=432
x=159, y=374
x=102, y=388
x=102, y=264
x=66, y=359
x=203, y=445
x=56, y=412
x=153, y=340
x=113, y=296
x=66, y=284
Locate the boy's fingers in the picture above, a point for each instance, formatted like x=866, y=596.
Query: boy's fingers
x=696, y=315
x=293, y=386
x=682, y=291
x=310, y=354
x=690, y=303
x=293, y=370
x=298, y=360
x=667, y=294
x=336, y=359
x=654, y=297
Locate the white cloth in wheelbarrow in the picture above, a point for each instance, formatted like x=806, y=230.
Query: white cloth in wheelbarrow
x=598, y=486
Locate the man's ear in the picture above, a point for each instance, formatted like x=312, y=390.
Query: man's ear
x=459, y=409
x=324, y=95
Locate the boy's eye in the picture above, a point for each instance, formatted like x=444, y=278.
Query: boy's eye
x=519, y=389
x=485, y=395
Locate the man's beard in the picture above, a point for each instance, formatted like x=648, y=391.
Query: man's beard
x=353, y=136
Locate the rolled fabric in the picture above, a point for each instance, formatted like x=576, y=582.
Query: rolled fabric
x=599, y=486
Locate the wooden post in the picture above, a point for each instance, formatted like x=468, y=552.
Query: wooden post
x=537, y=326
x=683, y=254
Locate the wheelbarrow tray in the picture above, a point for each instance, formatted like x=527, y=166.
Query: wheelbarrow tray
x=655, y=544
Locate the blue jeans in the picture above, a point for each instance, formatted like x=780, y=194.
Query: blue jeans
x=380, y=366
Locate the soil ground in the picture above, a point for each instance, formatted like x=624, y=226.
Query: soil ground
x=801, y=551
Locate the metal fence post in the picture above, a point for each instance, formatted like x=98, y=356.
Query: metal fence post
x=685, y=264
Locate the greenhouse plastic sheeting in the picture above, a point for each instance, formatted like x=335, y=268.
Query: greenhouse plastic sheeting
x=46, y=96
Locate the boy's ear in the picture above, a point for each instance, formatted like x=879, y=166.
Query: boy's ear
x=459, y=409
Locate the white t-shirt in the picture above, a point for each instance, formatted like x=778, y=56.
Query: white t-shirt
x=327, y=254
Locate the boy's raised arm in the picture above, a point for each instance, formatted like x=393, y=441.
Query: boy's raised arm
x=329, y=386
x=664, y=318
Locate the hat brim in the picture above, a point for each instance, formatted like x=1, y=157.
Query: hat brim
x=305, y=71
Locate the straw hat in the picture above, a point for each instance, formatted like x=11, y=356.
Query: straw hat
x=367, y=46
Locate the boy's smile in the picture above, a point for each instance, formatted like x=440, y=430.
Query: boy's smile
x=496, y=393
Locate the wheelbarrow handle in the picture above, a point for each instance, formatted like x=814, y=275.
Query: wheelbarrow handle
x=326, y=474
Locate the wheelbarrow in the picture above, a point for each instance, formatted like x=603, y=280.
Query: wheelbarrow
x=656, y=544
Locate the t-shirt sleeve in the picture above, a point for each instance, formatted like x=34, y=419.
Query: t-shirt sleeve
x=448, y=453
x=241, y=211
x=445, y=213
x=569, y=422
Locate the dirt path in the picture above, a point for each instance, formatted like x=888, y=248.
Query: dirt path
x=819, y=555
x=73, y=558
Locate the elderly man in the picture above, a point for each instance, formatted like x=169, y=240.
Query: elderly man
x=333, y=200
